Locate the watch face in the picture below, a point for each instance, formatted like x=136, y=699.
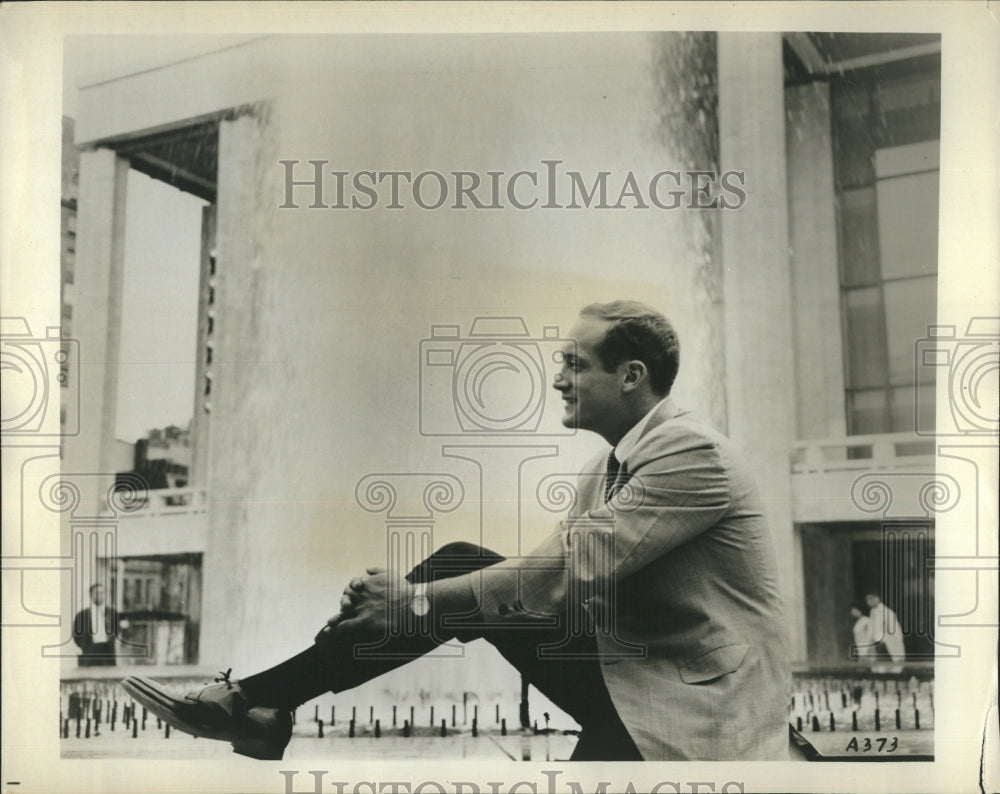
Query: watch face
x=420, y=605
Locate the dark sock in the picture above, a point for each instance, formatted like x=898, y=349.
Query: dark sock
x=297, y=680
x=289, y=684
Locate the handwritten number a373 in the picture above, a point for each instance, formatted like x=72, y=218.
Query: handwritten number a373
x=882, y=744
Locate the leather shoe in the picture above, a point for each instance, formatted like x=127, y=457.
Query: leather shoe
x=218, y=711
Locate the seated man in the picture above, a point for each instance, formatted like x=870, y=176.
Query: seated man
x=664, y=559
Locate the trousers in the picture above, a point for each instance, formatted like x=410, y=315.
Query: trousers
x=573, y=681
x=98, y=654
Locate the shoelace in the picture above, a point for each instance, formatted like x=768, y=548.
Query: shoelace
x=225, y=678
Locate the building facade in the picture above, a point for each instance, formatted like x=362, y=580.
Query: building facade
x=800, y=310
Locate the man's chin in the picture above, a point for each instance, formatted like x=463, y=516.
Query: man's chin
x=569, y=419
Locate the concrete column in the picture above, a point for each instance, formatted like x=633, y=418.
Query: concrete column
x=232, y=580
x=97, y=314
x=201, y=423
x=757, y=289
x=819, y=349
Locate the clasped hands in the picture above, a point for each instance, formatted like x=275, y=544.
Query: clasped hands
x=373, y=605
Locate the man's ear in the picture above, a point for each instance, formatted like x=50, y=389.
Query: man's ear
x=635, y=375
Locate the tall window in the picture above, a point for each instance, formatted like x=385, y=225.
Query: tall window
x=161, y=599
x=886, y=125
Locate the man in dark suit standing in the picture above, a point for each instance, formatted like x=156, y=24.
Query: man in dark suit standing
x=94, y=631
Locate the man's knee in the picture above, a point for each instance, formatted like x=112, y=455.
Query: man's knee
x=453, y=559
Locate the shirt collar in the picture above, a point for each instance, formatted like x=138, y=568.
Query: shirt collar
x=631, y=438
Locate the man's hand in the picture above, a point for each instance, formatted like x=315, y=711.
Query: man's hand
x=373, y=605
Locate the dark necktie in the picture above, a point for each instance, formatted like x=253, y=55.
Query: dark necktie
x=611, y=477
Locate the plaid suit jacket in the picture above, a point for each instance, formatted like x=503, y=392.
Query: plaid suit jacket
x=676, y=576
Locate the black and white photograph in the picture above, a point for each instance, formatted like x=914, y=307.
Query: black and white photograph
x=424, y=401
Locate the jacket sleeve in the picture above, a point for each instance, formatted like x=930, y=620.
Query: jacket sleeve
x=81, y=630
x=676, y=492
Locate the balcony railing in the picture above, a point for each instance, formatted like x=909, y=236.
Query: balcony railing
x=171, y=502
x=826, y=471
x=854, y=453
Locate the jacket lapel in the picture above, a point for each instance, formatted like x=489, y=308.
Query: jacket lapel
x=666, y=411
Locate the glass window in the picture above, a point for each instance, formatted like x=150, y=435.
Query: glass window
x=867, y=412
x=910, y=306
x=908, y=225
x=162, y=600
x=865, y=337
x=907, y=404
x=859, y=252
x=886, y=130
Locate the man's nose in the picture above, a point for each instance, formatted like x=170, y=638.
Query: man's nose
x=559, y=382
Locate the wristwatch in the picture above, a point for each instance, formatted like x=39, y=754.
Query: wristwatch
x=420, y=604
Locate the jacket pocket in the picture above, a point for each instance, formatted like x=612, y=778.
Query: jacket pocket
x=713, y=664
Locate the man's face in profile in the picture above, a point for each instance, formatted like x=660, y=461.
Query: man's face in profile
x=97, y=595
x=592, y=396
x=872, y=601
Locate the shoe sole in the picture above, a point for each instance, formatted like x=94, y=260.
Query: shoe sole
x=164, y=706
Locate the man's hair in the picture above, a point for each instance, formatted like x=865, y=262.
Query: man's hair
x=94, y=586
x=638, y=332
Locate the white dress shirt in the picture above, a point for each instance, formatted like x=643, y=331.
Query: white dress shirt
x=885, y=628
x=98, y=624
